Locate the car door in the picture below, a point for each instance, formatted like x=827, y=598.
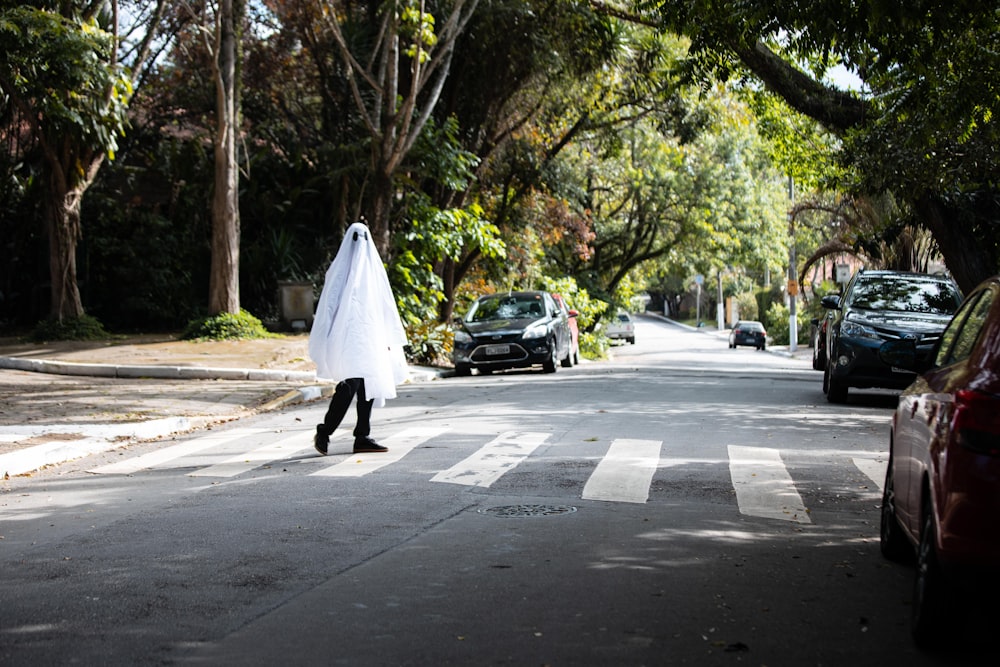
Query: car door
x=930, y=404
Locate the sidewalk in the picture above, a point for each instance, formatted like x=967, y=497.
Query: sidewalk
x=64, y=400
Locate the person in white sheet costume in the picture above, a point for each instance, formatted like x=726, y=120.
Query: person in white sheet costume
x=357, y=338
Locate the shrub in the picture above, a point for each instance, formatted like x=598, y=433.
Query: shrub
x=81, y=328
x=776, y=324
x=225, y=326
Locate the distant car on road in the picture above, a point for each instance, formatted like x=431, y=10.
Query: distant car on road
x=574, y=328
x=880, y=306
x=512, y=330
x=621, y=328
x=941, y=497
x=749, y=333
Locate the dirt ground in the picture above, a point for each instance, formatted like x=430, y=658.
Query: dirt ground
x=287, y=352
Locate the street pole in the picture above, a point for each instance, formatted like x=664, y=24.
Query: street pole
x=720, y=308
x=793, y=279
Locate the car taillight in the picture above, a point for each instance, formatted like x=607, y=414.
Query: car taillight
x=976, y=421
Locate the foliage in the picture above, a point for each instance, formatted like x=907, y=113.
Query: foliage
x=81, y=328
x=747, y=303
x=776, y=322
x=62, y=69
x=226, y=326
x=429, y=343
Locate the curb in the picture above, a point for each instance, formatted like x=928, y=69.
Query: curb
x=158, y=372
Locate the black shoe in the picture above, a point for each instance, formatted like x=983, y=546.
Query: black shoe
x=322, y=440
x=366, y=444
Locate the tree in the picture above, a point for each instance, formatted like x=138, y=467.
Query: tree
x=224, y=281
x=397, y=60
x=65, y=94
x=925, y=131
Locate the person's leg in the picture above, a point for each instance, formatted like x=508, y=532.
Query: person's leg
x=364, y=426
x=362, y=441
x=339, y=404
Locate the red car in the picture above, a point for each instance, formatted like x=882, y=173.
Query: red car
x=574, y=328
x=941, y=499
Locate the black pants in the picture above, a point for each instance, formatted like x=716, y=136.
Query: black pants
x=341, y=401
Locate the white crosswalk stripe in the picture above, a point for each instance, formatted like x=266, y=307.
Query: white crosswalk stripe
x=493, y=460
x=400, y=444
x=168, y=454
x=245, y=462
x=763, y=486
x=875, y=470
x=625, y=472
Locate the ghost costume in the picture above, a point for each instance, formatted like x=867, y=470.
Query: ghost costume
x=357, y=338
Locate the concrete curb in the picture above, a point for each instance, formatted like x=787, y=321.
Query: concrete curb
x=158, y=372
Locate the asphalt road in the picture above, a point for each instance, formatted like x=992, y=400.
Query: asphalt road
x=684, y=504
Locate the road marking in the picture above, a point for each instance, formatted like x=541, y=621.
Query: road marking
x=492, y=460
x=247, y=461
x=161, y=456
x=873, y=469
x=763, y=486
x=625, y=472
x=399, y=445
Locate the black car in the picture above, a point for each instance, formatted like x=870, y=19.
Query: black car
x=512, y=330
x=749, y=333
x=881, y=306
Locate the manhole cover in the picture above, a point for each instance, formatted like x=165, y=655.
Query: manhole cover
x=516, y=511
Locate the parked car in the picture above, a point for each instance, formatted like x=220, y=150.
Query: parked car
x=621, y=328
x=880, y=306
x=749, y=333
x=819, y=343
x=574, y=329
x=512, y=330
x=941, y=497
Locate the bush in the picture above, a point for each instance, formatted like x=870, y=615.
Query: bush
x=81, y=328
x=776, y=324
x=225, y=326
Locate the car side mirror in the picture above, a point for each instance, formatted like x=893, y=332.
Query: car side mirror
x=899, y=354
x=574, y=313
x=831, y=301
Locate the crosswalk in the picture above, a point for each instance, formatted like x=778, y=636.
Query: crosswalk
x=624, y=473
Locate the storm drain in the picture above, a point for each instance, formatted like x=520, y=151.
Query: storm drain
x=518, y=511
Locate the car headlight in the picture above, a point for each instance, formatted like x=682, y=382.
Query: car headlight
x=535, y=332
x=462, y=337
x=855, y=330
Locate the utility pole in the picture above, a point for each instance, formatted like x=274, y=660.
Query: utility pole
x=793, y=278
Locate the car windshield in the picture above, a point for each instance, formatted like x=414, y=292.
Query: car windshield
x=506, y=307
x=751, y=326
x=906, y=295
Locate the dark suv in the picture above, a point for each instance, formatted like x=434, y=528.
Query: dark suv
x=879, y=306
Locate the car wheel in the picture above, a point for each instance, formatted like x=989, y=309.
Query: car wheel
x=567, y=361
x=632, y=340
x=463, y=370
x=836, y=390
x=576, y=357
x=819, y=358
x=892, y=541
x=550, y=365
x=935, y=614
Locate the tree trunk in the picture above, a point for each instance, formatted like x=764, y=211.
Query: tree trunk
x=63, y=223
x=224, y=282
x=66, y=187
x=971, y=258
